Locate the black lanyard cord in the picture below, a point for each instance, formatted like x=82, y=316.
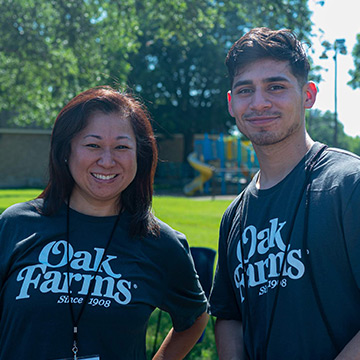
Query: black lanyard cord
x=308, y=170
x=312, y=278
x=76, y=321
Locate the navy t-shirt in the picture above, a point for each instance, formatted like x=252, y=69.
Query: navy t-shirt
x=271, y=222
x=136, y=276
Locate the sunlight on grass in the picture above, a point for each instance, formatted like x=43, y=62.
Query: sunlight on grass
x=9, y=197
x=198, y=219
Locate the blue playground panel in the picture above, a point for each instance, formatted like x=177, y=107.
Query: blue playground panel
x=234, y=158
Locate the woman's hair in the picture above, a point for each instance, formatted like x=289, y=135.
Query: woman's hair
x=73, y=118
x=263, y=43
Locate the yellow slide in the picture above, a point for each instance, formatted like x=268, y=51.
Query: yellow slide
x=206, y=172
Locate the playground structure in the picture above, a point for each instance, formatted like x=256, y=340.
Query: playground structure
x=221, y=159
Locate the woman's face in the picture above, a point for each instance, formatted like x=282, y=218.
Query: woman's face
x=103, y=163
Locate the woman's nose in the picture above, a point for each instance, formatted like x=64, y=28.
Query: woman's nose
x=106, y=159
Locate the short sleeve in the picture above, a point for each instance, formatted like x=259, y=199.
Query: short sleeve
x=8, y=231
x=223, y=303
x=2, y=253
x=184, y=298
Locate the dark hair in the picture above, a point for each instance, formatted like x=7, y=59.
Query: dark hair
x=261, y=43
x=137, y=197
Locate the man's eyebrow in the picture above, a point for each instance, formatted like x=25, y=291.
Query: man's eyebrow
x=276, y=78
x=242, y=82
x=267, y=80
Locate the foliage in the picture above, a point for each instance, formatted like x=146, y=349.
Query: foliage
x=355, y=74
x=171, y=52
x=183, y=77
x=321, y=128
x=206, y=349
x=52, y=50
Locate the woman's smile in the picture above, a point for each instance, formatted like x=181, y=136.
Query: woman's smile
x=102, y=162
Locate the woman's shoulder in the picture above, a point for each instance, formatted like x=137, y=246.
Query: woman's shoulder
x=28, y=209
x=170, y=239
x=166, y=231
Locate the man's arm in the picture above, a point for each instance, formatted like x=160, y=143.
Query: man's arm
x=177, y=344
x=352, y=350
x=229, y=339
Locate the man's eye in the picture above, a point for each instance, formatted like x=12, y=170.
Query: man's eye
x=276, y=87
x=245, y=91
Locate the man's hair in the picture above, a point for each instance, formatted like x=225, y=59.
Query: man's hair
x=263, y=43
x=72, y=119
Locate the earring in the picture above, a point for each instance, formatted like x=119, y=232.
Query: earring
x=66, y=161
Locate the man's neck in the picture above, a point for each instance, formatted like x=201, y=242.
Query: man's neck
x=277, y=161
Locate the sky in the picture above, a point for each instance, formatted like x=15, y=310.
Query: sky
x=338, y=19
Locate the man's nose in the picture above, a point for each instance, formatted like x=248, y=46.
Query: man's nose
x=260, y=101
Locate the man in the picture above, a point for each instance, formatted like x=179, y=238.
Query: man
x=288, y=275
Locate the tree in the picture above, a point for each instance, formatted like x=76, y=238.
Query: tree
x=170, y=52
x=321, y=128
x=355, y=73
x=52, y=50
x=181, y=74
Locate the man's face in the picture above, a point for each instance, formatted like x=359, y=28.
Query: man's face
x=268, y=102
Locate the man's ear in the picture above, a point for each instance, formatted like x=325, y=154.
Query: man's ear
x=310, y=94
x=229, y=103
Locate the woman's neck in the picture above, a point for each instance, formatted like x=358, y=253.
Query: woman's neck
x=93, y=208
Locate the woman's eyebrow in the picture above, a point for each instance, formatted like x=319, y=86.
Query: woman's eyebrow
x=100, y=138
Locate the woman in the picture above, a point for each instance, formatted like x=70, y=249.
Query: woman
x=83, y=266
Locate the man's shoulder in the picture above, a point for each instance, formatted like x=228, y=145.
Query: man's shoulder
x=342, y=161
x=343, y=154
x=232, y=208
x=338, y=168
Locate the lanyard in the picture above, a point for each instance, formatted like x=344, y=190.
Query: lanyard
x=308, y=170
x=75, y=321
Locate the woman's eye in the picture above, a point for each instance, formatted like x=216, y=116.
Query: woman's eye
x=94, y=146
x=122, y=147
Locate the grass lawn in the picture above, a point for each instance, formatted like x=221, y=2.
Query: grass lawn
x=197, y=218
x=12, y=196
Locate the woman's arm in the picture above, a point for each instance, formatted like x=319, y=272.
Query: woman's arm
x=177, y=344
x=352, y=350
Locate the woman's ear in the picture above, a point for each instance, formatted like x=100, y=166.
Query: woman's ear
x=229, y=103
x=310, y=94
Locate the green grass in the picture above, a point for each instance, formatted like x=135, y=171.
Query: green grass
x=12, y=196
x=197, y=218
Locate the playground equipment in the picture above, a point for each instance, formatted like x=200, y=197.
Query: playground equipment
x=221, y=158
x=206, y=173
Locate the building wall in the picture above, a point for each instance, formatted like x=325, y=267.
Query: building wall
x=24, y=156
